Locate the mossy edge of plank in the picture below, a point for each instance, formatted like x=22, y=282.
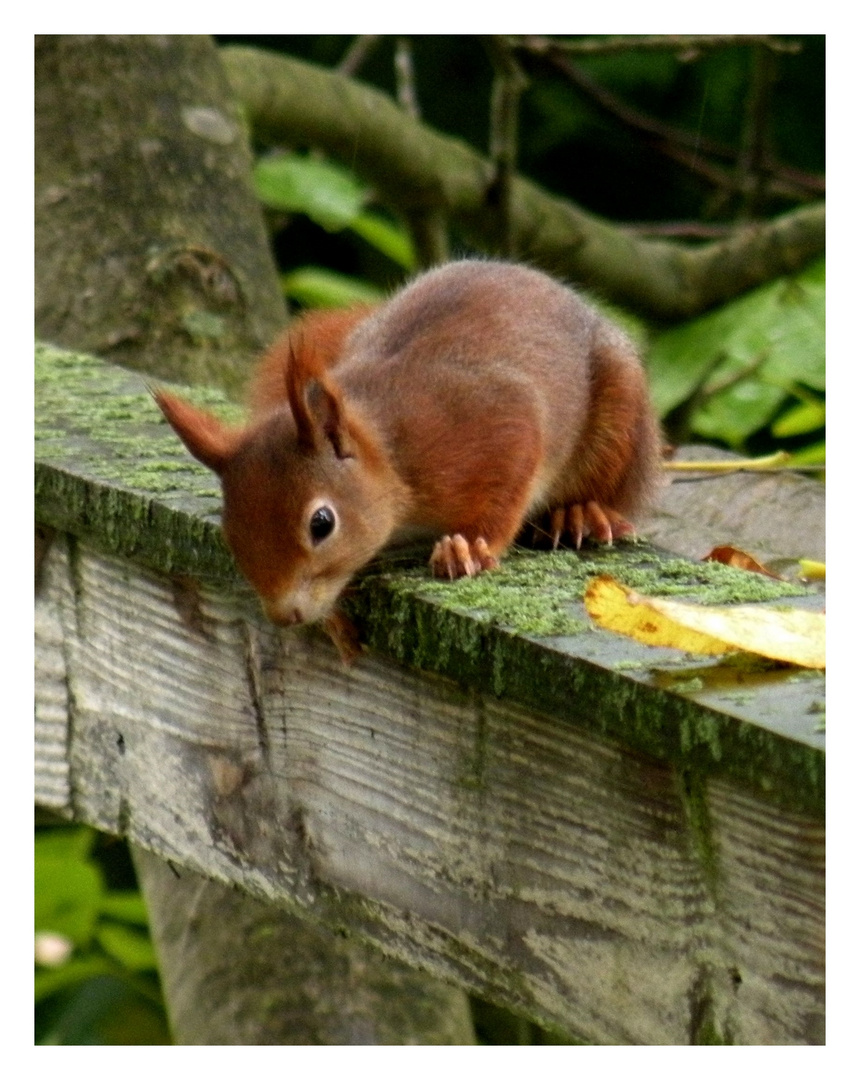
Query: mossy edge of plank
x=109, y=469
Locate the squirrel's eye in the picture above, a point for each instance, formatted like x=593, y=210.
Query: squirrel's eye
x=322, y=523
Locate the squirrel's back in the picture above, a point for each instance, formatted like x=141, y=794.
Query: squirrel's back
x=475, y=340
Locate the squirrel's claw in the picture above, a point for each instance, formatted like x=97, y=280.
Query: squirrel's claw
x=455, y=557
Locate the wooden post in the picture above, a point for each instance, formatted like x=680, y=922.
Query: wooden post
x=347, y=994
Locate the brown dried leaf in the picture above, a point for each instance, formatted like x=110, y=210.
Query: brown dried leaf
x=740, y=560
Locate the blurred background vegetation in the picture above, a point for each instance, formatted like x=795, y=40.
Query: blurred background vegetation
x=96, y=979
x=685, y=143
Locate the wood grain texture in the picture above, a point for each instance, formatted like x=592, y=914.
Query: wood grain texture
x=587, y=885
x=52, y=710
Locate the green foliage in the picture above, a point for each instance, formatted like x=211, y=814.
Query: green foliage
x=392, y=240
x=335, y=199
x=96, y=979
x=754, y=365
x=326, y=192
x=808, y=416
x=753, y=368
x=314, y=286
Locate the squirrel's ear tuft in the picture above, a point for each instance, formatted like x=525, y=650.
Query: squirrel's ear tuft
x=315, y=399
x=329, y=412
x=210, y=441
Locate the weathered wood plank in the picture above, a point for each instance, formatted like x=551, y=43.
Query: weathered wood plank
x=624, y=854
x=750, y=510
x=538, y=864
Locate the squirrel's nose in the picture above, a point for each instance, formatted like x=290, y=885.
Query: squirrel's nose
x=283, y=614
x=305, y=602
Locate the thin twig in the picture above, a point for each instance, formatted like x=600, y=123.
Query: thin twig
x=508, y=85
x=357, y=53
x=781, y=184
x=752, y=178
x=428, y=226
x=404, y=71
x=704, y=390
x=680, y=417
x=732, y=472
x=429, y=231
x=735, y=377
x=685, y=147
x=777, y=460
x=683, y=43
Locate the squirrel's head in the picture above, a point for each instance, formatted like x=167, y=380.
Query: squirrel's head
x=309, y=494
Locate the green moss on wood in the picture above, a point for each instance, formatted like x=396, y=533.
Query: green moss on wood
x=535, y=592
x=109, y=468
x=694, y=799
x=629, y=707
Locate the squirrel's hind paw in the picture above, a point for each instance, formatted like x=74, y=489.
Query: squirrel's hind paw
x=580, y=520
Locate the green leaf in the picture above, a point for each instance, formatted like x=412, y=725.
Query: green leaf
x=392, y=240
x=314, y=286
x=67, y=897
x=803, y=418
x=126, y=906
x=66, y=842
x=809, y=455
x=797, y=332
x=329, y=194
x=781, y=324
x=736, y=413
x=106, y=1010
x=130, y=947
x=77, y=971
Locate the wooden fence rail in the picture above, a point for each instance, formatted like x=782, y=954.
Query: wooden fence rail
x=624, y=843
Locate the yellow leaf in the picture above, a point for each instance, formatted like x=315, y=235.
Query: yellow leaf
x=812, y=570
x=796, y=636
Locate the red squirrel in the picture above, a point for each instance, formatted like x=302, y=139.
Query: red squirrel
x=481, y=394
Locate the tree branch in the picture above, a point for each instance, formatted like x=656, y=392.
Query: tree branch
x=357, y=53
x=404, y=71
x=416, y=168
x=681, y=43
x=508, y=84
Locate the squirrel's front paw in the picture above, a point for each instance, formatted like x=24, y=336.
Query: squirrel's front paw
x=455, y=557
